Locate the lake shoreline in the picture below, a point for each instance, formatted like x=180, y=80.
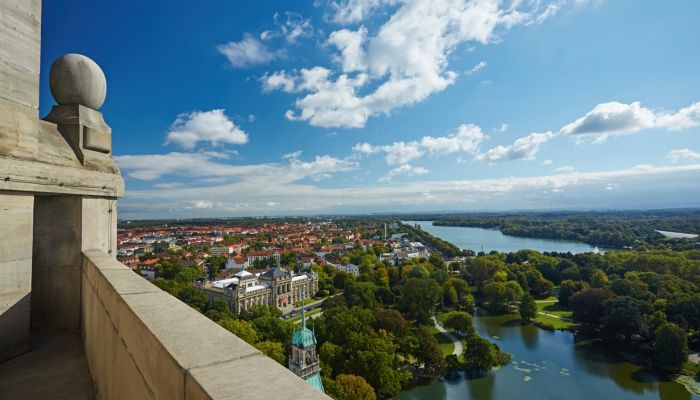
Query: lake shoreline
x=498, y=229
x=545, y=361
x=489, y=239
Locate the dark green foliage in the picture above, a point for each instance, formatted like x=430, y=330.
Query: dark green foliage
x=218, y=309
x=671, y=347
x=527, y=308
x=461, y=322
x=480, y=354
x=499, y=295
x=390, y=321
x=194, y=297
x=361, y=294
x=624, y=316
x=588, y=305
x=429, y=353
x=568, y=288
x=268, y=325
x=418, y=298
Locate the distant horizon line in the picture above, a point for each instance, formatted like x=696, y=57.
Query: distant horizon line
x=408, y=213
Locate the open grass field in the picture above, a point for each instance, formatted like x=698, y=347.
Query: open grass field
x=445, y=343
x=557, y=315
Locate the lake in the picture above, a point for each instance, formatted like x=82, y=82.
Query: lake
x=547, y=366
x=493, y=239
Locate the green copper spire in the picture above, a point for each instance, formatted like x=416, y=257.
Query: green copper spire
x=303, y=315
x=303, y=337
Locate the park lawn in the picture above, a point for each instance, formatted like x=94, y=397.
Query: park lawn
x=445, y=343
x=555, y=309
x=441, y=317
x=564, y=313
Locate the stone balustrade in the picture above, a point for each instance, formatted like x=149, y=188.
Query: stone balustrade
x=141, y=343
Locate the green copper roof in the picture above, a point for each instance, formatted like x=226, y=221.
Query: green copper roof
x=315, y=381
x=303, y=337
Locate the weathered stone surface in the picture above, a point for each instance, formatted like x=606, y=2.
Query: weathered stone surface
x=57, y=232
x=18, y=127
x=115, y=284
x=32, y=176
x=20, y=33
x=99, y=225
x=54, y=148
x=56, y=299
x=15, y=276
x=56, y=263
x=257, y=377
x=165, y=337
x=14, y=324
x=176, y=352
x=76, y=79
x=54, y=368
x=19, y=85
x=16, y=214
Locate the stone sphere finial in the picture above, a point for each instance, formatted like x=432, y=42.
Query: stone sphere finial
x=76, y=79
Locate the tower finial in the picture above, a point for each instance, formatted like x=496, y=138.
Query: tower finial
x=303, y=315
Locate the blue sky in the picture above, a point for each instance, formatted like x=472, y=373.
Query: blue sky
x=223, y=108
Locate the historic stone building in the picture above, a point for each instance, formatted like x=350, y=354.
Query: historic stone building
x=275, y=287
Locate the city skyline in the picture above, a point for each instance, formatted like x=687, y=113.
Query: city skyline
x=381, y=106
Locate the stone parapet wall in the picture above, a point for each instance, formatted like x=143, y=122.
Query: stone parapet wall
x=141, y=342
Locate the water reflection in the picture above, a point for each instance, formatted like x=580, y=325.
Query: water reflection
x=482, y=388
x=595, y=359
x=550, y=365
x=531, y=337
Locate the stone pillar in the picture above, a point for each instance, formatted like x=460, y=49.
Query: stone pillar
x=20, y=38
x=57, y=261
x=20, y=35
x=99, y=225
x=15, y=272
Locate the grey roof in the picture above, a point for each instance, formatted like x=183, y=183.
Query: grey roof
x=274, y=273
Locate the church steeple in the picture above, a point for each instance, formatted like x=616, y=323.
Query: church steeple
x=304, y=360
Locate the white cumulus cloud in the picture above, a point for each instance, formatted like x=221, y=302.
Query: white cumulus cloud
x=406, y=59
x=349, y=43
x=466, y=139
x=475, y=69
x=212, y=126
x=566, y=169
x=522, y=148
x=248, y=52
x=405, y=169
x=294, y=26
x=682, y=155
x=203, y=204
x=614, y=118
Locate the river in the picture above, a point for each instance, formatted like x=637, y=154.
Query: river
x=493, y=239
x=547, y=366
